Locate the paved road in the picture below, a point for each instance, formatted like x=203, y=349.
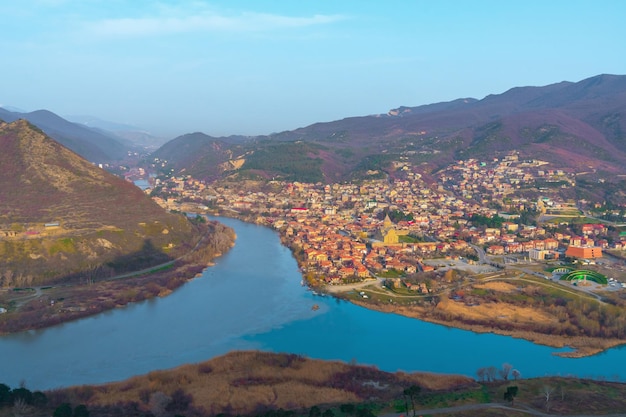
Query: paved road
x=492, y=406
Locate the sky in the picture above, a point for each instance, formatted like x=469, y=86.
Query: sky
x=256, y=67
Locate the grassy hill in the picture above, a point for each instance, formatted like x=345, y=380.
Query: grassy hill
x=62, y=218
x=289, y=385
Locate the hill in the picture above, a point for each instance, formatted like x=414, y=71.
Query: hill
x=93, y=145
x=62, y=217
x=289, y=385
x=572, y=125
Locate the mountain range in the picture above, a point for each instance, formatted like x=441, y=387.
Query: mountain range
x=580, y=125
x=576, y=125
x=96, y=146
x=130, y=135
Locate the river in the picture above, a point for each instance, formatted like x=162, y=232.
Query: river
x=252, y=299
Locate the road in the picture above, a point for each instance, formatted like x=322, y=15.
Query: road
x=492, y=406
x=38, y=291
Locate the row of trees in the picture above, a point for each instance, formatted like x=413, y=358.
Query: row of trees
x=491, y=373
x=24, y=401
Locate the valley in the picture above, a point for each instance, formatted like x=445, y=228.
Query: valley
x=504, y=215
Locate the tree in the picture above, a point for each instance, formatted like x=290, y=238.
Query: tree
x=315, y=412
x=24, y=394
x=505, y=371
x=347, y=408
x=179, y=401
x=516, y=374
x=328, y=413
x=412, y=392
x=365, y=412
x=547, y=392
x=81, y=411
x=510, y=394
x=158, y=403
x=5, y=395
x=19, y=407
x=64, y=410
x=491, y=373
x=406, y=401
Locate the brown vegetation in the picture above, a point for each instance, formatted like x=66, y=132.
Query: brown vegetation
x=31, y=308
x=63, y=218
x=250, y=383
x=288, y=385
x=526, y=310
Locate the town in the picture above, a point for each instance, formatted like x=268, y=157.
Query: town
x=400, y=224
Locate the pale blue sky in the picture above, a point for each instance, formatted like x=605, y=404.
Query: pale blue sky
x=259, y=66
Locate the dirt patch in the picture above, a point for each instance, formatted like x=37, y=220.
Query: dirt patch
x=496, y=311
x=497, y=286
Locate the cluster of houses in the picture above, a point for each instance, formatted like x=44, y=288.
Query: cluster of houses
x=341, y=233
x=498, y=178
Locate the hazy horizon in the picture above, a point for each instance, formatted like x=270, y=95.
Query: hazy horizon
x=257, y=67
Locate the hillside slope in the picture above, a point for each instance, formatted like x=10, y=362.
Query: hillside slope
x=575, y=125
x=61, y=216
x=92, y=145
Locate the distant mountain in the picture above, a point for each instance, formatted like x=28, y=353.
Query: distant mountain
x=95, y=122
x=580, y=124
x=204, y=156
x=13, y=109
x=61, y=216
x=133, y=135
x=93, y=145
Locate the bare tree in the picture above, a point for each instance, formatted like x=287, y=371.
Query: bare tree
x=20, y=407
x=8, y=278
x=492, y=371
x=505, y=371
x=158, y=403
x=516, y=374
x=482, y=374
x=547, y=393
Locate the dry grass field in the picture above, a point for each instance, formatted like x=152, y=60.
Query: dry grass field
x=243, y=383
x=287, y=385
x=520, y=306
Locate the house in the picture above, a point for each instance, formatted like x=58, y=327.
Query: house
x=495, y=250
x=584, y=252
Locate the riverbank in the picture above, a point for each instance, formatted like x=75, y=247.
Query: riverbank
x=581, y=346
x=249, y=383
x=524, y=318
x=46, y=306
